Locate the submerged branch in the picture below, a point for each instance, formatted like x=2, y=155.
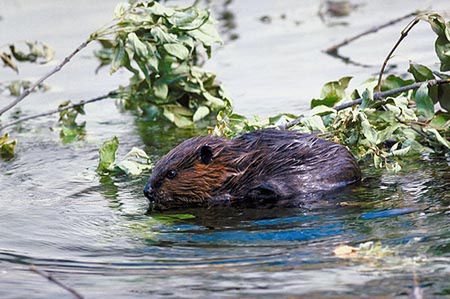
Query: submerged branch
x=55, y=281
x=376, y=96
x=334, y=49
x=109, y=95
x=45, y=77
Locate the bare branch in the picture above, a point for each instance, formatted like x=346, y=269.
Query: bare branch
x=109, y=95
x=403, y=34
x=55, y=281
x=42, y=79
x=376, y=96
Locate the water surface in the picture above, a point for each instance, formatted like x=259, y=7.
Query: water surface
x=94, y=233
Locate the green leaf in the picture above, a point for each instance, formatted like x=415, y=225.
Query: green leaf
x=442, y=95
x=367, y=129
x=332, y=93
x=440, y=121
x=322, y=110
x=160, y=90
x=139, y=47
x=437, y=23
x=442, y=47
x=177, y=50
x=420, y=72
x=134, y=162
x=189, y=19
x=160, y=10
x=314, y=123
x=438, y=137
x=119, y=59
x=423, y=101
x=393, y=82
x=200, y=113
x=121, y=9
x=178, y=115
x=107, y=155
x=163, y=36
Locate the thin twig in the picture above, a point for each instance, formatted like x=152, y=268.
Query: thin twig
x=403, y=34
x=109, y=95
x=55, y=281
x=376, y=96
x=334, y=49
x=42, y=79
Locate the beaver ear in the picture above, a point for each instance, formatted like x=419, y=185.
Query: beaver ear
x=206, y=154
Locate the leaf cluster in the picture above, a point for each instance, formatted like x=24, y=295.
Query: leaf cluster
x=70, y=129
x=133, y=163
x=161, y=47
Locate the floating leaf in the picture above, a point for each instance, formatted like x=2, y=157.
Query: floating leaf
x=107, y=155
x=135, y=162
x=7, y=61
x=7, y=147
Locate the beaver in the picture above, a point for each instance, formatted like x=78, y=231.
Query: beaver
x=268, y=165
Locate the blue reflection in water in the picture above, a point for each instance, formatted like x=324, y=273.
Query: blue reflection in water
x=246, y=237
x=388, y=213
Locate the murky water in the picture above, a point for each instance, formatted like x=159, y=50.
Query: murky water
x=94, y=234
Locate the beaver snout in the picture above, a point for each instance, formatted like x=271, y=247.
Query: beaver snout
x=149, y=193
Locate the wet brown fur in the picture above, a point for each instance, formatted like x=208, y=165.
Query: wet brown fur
x=265, y=164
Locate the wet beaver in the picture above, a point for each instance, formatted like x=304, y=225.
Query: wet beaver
x=262, y=166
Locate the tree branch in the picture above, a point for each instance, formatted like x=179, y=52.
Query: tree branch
x=376, y=96
x=109, y=95
x=403, y=34
x=55, y=281
x=42, y=79
x=334, y=49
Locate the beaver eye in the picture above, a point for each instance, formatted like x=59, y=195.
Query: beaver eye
x=171, y=174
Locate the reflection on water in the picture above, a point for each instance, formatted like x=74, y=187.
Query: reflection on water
x=95, y=234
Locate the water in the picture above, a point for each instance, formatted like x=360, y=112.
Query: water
x=94, y=234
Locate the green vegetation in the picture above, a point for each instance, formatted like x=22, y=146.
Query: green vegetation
x=164, y=48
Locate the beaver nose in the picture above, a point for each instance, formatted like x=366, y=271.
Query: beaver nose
x=148, y=192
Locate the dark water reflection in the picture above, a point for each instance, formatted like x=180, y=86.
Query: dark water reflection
x=95, y=234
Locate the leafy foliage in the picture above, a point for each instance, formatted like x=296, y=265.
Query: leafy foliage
x=133, y=163
x=161, y=46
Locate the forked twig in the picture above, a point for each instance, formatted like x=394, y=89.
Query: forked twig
x=334, y=49
x=403, y=34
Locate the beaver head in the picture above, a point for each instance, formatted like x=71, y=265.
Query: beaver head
x=189, y=174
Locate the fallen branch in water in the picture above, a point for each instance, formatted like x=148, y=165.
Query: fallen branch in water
x=55, y=281
x=334, y=49
x=376, y=96
x=45, y=77
x=403, y=34
x=109, y=95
